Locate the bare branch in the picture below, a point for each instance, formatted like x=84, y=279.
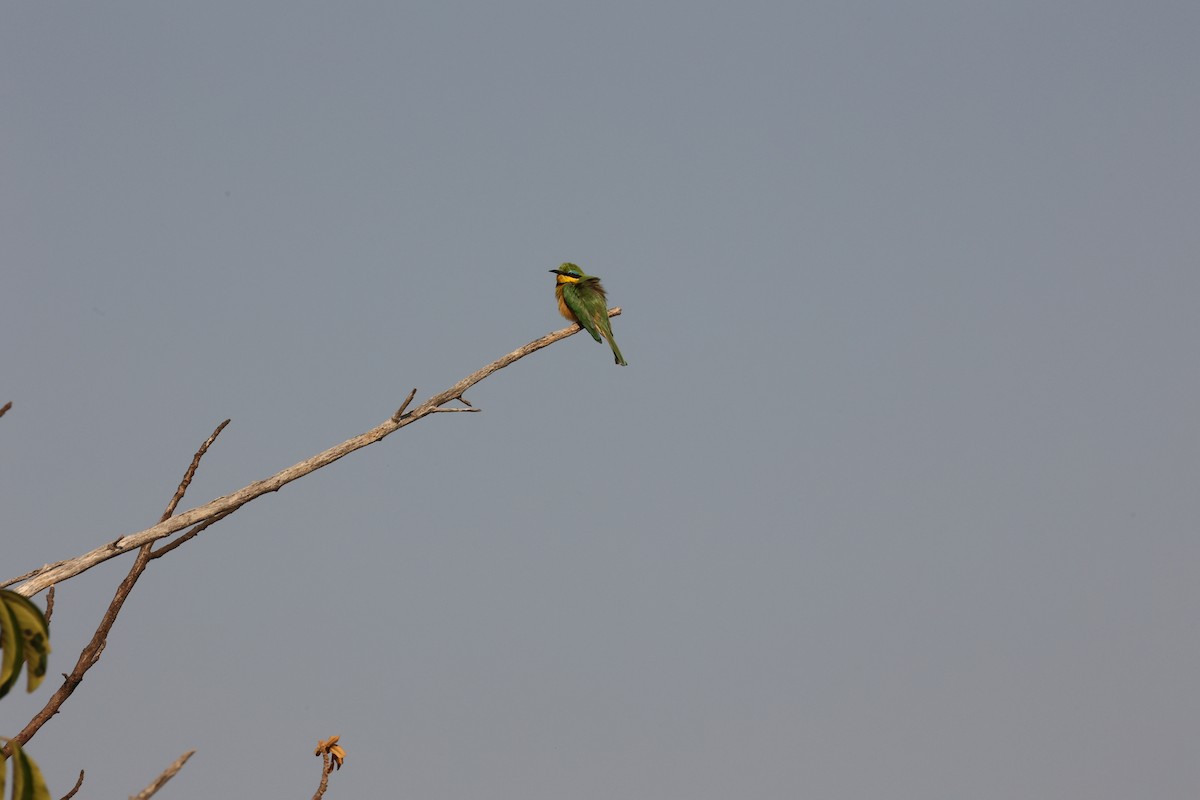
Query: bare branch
x=90, y=653
x=4, y=408
x=32, y=573
x=51, y=574
x=93, y=649
x=166, y=775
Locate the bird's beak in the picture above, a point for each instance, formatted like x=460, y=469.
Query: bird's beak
x=557, y=271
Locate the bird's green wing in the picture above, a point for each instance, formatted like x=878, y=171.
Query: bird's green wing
x=583, y=310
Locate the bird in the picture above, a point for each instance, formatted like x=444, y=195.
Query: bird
x=581, y=299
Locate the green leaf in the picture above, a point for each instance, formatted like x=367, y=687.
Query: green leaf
x=12, y=654
x=20, y=772
x=35, y=635
x=32, y=785
x=22, y=779
x=28, y=783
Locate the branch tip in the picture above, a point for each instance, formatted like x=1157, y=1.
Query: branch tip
x=191, y=472
x=75, y=789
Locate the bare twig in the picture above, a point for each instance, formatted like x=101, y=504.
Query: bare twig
x=49, y=605
x=191, y=471
x=187, y=537
x=400, y=411
x=4, y=408
x=74, y=788
x=51, y=574
x=166, y=775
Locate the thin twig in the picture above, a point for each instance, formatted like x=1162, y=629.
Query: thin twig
x=183, y=485
x=4, y=408
x=166, y=775
x=49, y=605
x=74, y=789
x=32, y=573
x=50, y=575
x=400, y=411
x=187, y=537
x=191, y=471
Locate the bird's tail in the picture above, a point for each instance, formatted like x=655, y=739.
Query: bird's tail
x=620, y=359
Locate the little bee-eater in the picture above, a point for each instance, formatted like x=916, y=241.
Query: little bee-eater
x=581, y=299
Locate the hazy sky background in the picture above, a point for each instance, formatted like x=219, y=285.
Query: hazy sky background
x=897, y=497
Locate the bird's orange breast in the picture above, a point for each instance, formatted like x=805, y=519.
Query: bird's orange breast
x=562, y=306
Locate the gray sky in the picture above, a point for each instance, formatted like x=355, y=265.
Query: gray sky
x=896, y=498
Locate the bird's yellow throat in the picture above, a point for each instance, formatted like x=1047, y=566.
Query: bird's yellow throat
x=566, y=279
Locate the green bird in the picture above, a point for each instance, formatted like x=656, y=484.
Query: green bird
x=581, y=299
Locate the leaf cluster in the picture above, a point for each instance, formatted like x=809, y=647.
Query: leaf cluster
x=24, y=642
